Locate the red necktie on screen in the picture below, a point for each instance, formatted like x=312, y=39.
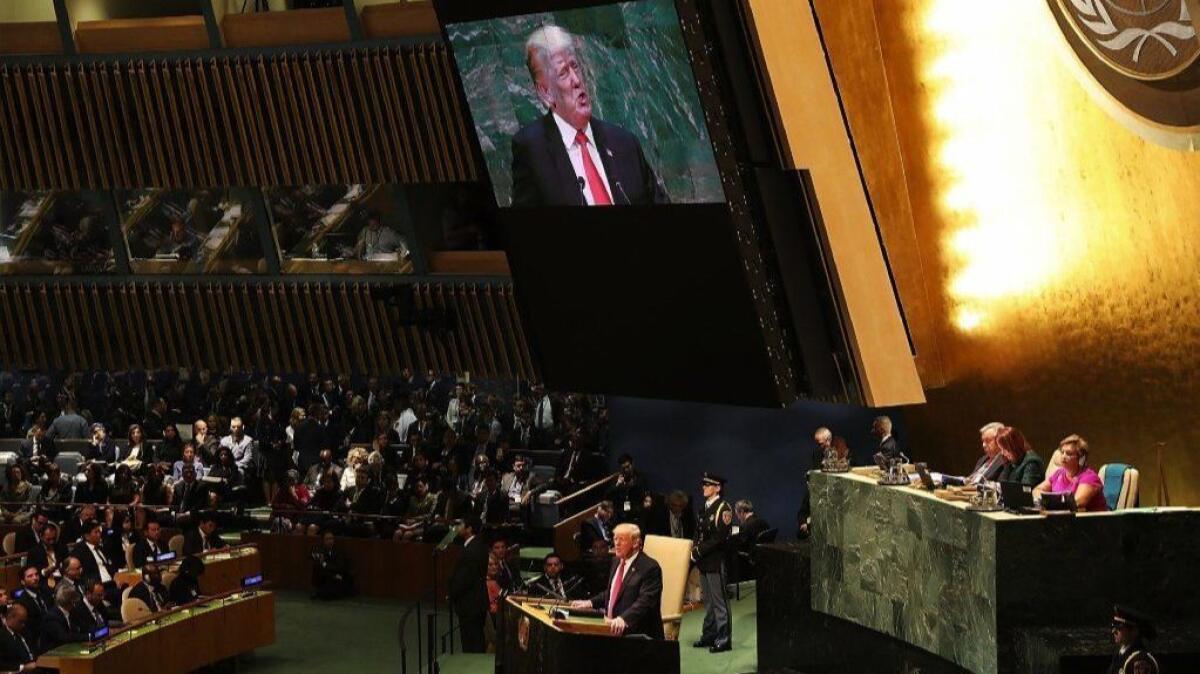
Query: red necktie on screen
x=616, y=588
x=595, y=184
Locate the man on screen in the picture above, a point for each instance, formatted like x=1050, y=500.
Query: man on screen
x=568, y=157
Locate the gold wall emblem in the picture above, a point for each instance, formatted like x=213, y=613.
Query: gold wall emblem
x=523, y=633
x=1145, y=53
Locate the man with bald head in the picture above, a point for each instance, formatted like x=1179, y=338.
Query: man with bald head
x=16, y=655
x=632, y=600
x=569, y=157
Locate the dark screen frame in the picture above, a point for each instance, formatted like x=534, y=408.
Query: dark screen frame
x=742, y=253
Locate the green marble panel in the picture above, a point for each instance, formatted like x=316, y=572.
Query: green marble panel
x=637, y=71
x=906, y=564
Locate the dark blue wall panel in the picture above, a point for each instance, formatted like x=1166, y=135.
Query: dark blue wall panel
x=764, y=453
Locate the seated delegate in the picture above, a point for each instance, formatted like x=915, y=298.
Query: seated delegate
x=1024, y=464
x=1075, y=477
x=990, y=465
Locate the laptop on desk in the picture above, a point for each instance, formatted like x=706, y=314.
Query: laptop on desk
x=1018, y=498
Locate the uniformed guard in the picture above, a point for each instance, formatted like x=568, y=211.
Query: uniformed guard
x=712, y=536
x=1131, y=629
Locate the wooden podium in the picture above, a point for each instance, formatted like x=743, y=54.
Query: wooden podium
x=532, y=642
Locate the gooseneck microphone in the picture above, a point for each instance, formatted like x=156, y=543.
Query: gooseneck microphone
x=622, y=189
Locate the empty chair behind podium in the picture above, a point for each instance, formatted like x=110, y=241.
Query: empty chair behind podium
x=1120, y=482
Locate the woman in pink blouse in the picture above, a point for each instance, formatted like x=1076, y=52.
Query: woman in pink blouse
x=1075, y=477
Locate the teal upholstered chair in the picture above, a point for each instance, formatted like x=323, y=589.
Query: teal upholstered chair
x=1120, y=485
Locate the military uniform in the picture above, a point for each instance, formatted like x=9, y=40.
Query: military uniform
x=713, y=532
x=1133, y=658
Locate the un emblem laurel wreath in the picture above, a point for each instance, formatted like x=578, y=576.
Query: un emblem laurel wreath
x=1093, y=15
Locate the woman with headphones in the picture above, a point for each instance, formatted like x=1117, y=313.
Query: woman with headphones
x=1075, y=477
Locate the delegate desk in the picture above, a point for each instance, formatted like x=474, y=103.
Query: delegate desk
x=288, y=565
x=224, y=569
x=534, y=642
x=183, y=639
x=987, y=590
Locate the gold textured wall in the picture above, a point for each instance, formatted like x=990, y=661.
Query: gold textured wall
x=1059, y=250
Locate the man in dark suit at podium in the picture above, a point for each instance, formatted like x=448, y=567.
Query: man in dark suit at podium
x=568, y=157
x=632, y=601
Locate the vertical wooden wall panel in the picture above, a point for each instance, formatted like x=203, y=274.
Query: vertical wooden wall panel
x=8, y=357
x=29, y=133
x=238, y=329
x=115, y=133
x=50, y=128
x=340, y=331
x=245, y=326
x=395, y=118
x=82, y=323
x=93, y=149
x=134, y=143
x=276, y=327
x=252, y=110
x=198, y=76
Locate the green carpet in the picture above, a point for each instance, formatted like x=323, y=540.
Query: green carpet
x=362, y=635
x=359, y=635
x=744, y=656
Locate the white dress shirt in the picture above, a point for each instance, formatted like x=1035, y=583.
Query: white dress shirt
x=575, y=153
x=101, y=563
x=543, y=414
x=612, y=598
x=407, y=419
x=243, y=453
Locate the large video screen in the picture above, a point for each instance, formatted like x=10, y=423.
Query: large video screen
x=54, y=232
x=589, y=106
x=190, y=231
x=323, y=229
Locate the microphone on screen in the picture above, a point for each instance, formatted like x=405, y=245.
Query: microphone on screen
x=581, y=182
x=622, y=189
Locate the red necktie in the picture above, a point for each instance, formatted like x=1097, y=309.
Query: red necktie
x=595, y=184
x=616, y=588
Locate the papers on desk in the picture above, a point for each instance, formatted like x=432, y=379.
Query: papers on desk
x=30, y=207
x=335, y=212
x=216, y=235
x=232, y=215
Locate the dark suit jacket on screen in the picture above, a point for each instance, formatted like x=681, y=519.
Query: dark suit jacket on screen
x=543, y=175
x=639, y=601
